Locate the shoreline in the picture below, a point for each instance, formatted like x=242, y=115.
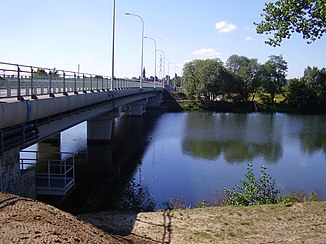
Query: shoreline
x=24, y=220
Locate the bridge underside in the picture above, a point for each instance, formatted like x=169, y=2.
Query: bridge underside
x=24, y=123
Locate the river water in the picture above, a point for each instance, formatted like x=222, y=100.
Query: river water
x=194, y=156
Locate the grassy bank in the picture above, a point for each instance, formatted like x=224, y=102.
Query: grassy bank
x=174, y=101
x=297, y=223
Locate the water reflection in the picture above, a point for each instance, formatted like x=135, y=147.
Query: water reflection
x=194, y=155
x=237, y=137
x=105, y=171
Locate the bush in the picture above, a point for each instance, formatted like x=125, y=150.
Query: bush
x=253, y=191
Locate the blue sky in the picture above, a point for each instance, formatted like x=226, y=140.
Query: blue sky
x=65, y=33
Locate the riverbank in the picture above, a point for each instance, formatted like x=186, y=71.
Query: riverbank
x=24, y=220
x=176, y=101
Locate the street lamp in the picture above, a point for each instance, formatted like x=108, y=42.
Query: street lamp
x=142, y=49
x=168, y=71
x=163, y=64
x=154, y=59
x=113, y=35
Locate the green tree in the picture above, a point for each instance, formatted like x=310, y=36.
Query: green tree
x=246, y=75
x=315, y=79
x=40, y=73
x=203, y=77
x=284, y=17
x=176, y=81
x=273, y=76
x=300, y=96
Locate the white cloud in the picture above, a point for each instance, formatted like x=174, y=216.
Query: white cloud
x=249, y=38
x=224, y=27
x=207, y=52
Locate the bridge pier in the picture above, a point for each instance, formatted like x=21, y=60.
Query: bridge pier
x=155, y=102
x=99, y=129
x=138, y=108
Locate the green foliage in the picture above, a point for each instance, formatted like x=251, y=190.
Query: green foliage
x=300, y=196
x=40, y=73
x=308, y=93
x=245, y=80
x=203, y=77
x=300, y=96
x=273, y=76
x=253, y=191
x=284, y=17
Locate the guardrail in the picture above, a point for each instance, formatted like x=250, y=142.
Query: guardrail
x=54, y=171
x=23, y=80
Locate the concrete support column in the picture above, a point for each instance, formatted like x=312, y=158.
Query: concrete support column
x=155, y=102
x=49, y=149
x=56, y=139
x=138, y=108
x=10, y=172
x=100, y=128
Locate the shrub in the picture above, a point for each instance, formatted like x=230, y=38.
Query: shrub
x=178, y=202
x=253, y=191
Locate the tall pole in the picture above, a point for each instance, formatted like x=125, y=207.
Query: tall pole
x=154, y=59
x=113, y=36
x=163, y=64
x=142, y=49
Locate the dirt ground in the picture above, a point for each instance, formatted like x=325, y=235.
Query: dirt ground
x=26, y=221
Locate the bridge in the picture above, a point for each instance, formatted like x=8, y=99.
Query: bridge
x=38, y=103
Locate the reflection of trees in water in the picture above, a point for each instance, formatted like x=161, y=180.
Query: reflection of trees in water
x=233, y=151
x=136, y=198
x=311, y=131
x=239, y=137
x=312, y=142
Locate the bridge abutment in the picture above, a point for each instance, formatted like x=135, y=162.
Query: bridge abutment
x=138, y=108
x=99, y=129
x=10, y=180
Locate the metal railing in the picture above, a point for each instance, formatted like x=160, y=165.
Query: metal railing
x=23, y=80
x=54, y=171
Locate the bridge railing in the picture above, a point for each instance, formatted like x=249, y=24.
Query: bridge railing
x=22, y=80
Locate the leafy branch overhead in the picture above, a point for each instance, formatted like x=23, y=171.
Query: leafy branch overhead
x=284, y=17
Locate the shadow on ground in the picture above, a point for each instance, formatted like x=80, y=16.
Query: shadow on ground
x=133, y=227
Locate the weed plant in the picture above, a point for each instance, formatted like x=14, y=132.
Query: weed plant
x=253, y=191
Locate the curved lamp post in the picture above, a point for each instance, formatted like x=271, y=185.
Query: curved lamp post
x=142, y=49
x=154, y=59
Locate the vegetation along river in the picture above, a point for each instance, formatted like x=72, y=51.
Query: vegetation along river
x=193, y=156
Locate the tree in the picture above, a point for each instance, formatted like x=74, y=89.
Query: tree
x=203, y=77
x=176, y=81
x=40, y=73
x=273, y=75
x=284, y=17
x=246, y=75
x=300, y=96
x=315, y=80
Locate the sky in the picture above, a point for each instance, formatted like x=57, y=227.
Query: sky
x=63, y=34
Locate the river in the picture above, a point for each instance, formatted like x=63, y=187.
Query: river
x=194, y=156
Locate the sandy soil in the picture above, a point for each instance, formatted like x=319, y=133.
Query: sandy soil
x=299, y=223
x=26, y=221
